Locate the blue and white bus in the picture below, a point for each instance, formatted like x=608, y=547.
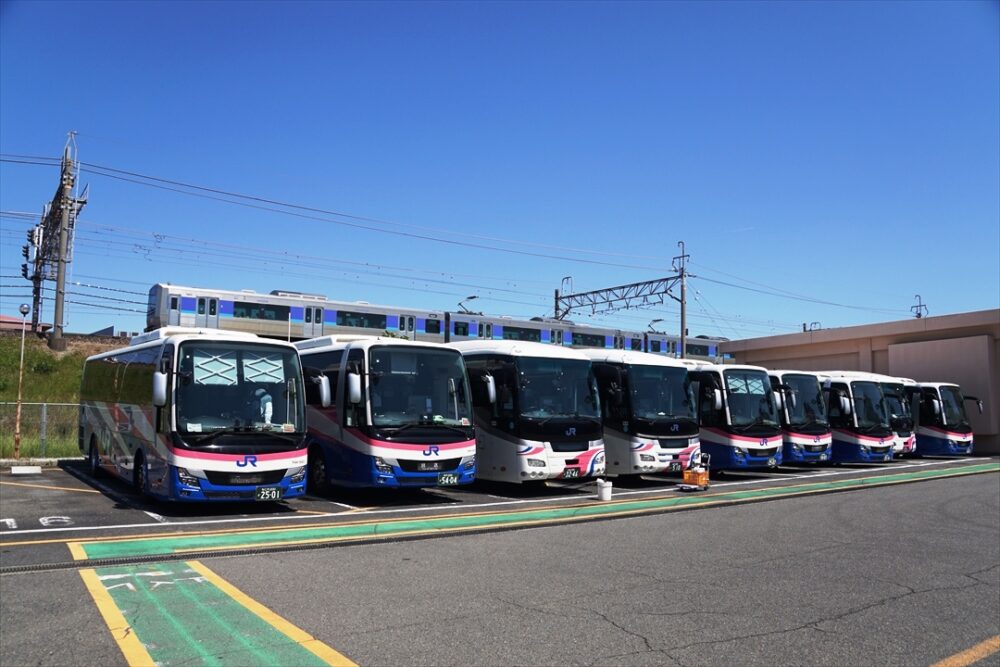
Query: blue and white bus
x=401, y=414
x=192, y=414
x=859, y=418
x=738, y=416
x=805, y=427
x=942, y=425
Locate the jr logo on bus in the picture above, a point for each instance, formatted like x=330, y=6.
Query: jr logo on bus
x=432, y=450
x=571, y=431
x=248, y=460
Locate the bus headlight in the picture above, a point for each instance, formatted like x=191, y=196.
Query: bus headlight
x=382, y=466
x=739, y=451
x=797, y=448
x=186, y=478
x=536, y=463
x=470, y=463
x=864, y=449
x=297, y=475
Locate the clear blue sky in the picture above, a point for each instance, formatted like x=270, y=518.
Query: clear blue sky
x=845, y=152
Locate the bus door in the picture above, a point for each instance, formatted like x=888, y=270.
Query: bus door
x=207, y=314
x=312, y=325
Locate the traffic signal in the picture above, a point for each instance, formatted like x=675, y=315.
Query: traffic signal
x=24, y=251
x=24, y=271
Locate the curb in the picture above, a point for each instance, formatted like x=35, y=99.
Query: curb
x=44, y=462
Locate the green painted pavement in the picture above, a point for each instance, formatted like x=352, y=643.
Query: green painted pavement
x=381, y=529
x=181, y=617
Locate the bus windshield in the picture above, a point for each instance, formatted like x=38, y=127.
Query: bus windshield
x=899, y=406
x=417, y=385
x=556, y=388
x=808, y=407
x=661, y=393
x=236, y=386
x=953, y=407
x=751, y=402
x=869, y=408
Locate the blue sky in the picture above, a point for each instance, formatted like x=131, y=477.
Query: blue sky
x=844, y=153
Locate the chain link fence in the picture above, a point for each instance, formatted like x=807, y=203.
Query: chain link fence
x=48, y=430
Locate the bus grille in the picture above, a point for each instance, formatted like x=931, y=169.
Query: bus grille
x=879, y=449
x=229, y=495
x=763, y=452
x=580, y=446
x=218, y=478
x=428, y=466
x=815, y=448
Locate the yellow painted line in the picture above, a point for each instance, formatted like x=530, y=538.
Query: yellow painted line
x=972, y=655
x=312, y=512
x=44, y=486
x=293, y=632
x=135, y=653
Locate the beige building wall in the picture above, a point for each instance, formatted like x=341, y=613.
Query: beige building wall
x=962, y=348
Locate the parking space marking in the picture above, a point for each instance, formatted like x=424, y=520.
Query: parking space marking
x=395, y=528
x=172, y=613
x=501, y=502
x=46, y=486
x=972, y=655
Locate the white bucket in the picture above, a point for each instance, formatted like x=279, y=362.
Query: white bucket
x=603, y=490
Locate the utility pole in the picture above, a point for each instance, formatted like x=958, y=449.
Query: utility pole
x=52, y=243
x=920, y=309
x=679, y=265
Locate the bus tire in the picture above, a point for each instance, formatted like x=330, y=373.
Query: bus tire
x=317, y=472
x=94, y=458
x=140, y=474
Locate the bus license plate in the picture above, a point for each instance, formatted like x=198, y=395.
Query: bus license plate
x=447, y=479
x=571, y=472
x=266, y=493
x=675, y=466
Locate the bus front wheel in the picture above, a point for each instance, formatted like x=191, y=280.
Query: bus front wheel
x=140, y=474
x=93, y=458
x=317, y=472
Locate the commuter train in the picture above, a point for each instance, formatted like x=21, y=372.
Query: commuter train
x=299, y=316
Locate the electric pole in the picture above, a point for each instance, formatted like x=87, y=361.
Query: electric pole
x=679, y=265
x=52, y=244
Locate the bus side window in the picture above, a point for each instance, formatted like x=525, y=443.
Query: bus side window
x=837, y=419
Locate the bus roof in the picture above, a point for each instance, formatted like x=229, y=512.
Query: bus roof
x=324, y=343
x=164, y=333
x=783, y=372
x=632, y=357
x=517, y=348
x=721, y=368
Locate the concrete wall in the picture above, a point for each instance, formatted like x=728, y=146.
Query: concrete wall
x=962, y=348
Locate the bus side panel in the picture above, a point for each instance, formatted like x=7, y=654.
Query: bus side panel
x=937, y=441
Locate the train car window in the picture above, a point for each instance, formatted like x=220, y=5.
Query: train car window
x=654, y=346
x=489, y=331
x=309, y=314
x=173, y=303
x=201, y=306
x=212, y=304
x=409, y=324
x=461, y=328
x=432, y=326
x=402, y=323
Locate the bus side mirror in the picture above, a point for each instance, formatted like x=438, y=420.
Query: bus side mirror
x=936, y=406
x=979, y=403
x=717, y=395
x=353, y=388
x=845, y=405
x=779, y=400
x=491, y=388
x=324, y=390
x=159, y=389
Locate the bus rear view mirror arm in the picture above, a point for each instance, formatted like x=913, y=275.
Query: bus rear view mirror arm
x=978, y=402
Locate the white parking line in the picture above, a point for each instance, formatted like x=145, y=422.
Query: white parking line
x=473, y=506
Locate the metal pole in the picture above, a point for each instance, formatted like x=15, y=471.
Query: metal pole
x=683, y=273
x=43, y=428
x=20, y=382
x=57, y=342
